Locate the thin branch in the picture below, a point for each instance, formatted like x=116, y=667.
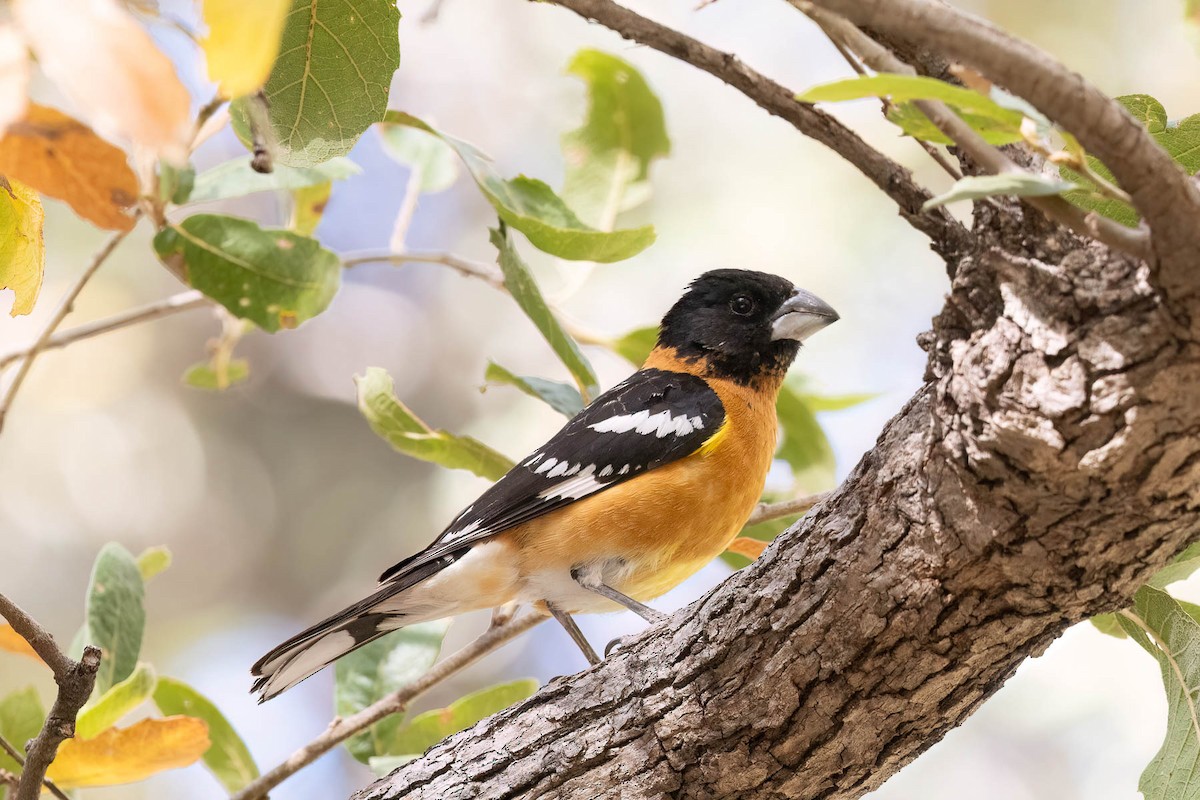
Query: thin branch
x=475, y=269
x=896, y=181
x=343, y=728
x=765, y=512
x=75, y=681
x=1160, y=188
x=64, y=308
x=15, y=780
x=991, y=159
x=183, y=301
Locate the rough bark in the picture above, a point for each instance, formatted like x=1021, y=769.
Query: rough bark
x=1047, y=467
x=1050, y=463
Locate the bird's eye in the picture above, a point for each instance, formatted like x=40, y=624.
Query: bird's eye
x=742, y=304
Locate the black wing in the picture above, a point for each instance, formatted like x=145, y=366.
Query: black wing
x=653, y=418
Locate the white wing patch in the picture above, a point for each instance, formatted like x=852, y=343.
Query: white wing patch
x=580, y=485
x=645, y=423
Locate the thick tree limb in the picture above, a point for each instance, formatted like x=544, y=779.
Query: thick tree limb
x=75, y=681
x=896, y=181
x=1161, y=190
x=1046, y=469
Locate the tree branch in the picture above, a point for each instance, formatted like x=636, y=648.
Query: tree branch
x=1161, y=190
x=893, y=179
x=485, y=272
x=75, y=681
x=765, y=512
x=342, y=729
x=183, y=301
x=991, y=159
x=15, y=780
x=64, y=308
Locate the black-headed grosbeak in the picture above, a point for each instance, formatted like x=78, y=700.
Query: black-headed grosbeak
x=638, y=491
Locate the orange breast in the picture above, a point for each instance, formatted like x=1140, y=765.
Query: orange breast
x=671, y=521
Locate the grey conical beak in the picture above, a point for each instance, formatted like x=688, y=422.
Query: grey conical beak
x=801, y=315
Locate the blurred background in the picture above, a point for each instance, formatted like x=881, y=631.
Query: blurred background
x=280, y=505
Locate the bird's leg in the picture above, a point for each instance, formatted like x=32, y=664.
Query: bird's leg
x=501, y=615
x=594, y=584
x=567, y=622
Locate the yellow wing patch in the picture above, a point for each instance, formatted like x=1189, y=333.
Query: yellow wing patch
x=714, y=441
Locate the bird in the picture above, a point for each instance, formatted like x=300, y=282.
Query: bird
x=647, y=484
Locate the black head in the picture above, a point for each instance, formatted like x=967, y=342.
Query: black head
x=744, y=324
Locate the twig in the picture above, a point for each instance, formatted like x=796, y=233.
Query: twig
x=990, y=158
x=15, y=780
x=75, y=681
x=475, y=269
x=161, y=308
x=764, y=512
x=343, y=728
x=64, y=308
x=262, y=139
x=408, y=207
x=1160, y=188
x=892, y=178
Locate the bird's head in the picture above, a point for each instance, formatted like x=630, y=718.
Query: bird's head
x=743, y=325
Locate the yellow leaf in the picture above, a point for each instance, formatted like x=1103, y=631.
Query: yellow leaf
x=61, y=157
x=99, y=55
x=14, y=75
x=22, y=249
x=125, y=755
x=747, y=547
x=242, y=42
x=14, y=642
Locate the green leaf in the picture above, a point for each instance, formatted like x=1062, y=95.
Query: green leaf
x=227, y=758
x=115, y=615
x=532, y=207
x=175, y=183
x=1181, y=139
x=308, y=207
x=1182, y=566
x=1173, y=638
x=562, y=397
x=1019, y=184
x=913, y=122
x=21, y=718
x=115, y=703
x=152, y=561
x=805, y=447
x=997, y=124
x=376, y=670
x=273, y=278
x=624, y=131
x=520, y=284
x=205, y=376
x=392, y=421
x=818, y=403
x=383, y=765
x=1109, y=624
x=236, y=178
x=331, y=79
x=429, y=728
x=422, y=152
x=636, y=345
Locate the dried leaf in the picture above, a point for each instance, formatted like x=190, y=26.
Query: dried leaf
x=61, y=157
x=22, y=248
x=14, y=75
x=14, y=642
x=746, y=547
x=108, y=65
x=125, y=755
x=242, y=42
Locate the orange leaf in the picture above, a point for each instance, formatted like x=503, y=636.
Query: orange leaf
x=747, y=547
x=108, y=65
x=125, y=755
x=14, y=642
x=61, y=157
x=14, y=75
